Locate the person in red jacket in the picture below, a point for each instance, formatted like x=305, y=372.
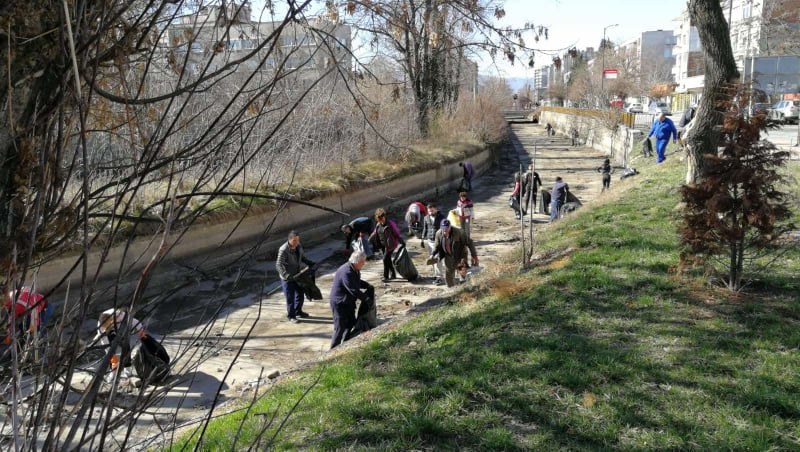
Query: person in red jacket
x=30, y=312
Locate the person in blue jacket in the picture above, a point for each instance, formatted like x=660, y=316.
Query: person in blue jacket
x=347, y=288
x=663, y=129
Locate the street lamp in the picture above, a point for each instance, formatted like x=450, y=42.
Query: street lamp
x=603, y=63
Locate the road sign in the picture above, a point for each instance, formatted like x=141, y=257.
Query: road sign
x=610, y=73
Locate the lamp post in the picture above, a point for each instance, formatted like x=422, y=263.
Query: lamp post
x=604, y=46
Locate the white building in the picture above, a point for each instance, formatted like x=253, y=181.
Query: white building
x=758, y=28
x=649, y=58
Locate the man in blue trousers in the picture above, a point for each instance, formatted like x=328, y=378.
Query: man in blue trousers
x=663, y=129
x=347, y=288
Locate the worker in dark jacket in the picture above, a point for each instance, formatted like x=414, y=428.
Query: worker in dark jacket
x=451, y=246
x=289, y=264
x=558, y=196
x=663, y=128
x=530, y=185
x=347, y=288
x=357, y=228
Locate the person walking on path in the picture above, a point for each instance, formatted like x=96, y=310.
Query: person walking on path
x=388, y=238
x=515, y=196
x=347, y=288
x=606, y=170
x=558, y=196
x=451, y=246
x=663, y=129
x=289, y=264
x=466, y=213
x=469, y=173
x=530, y=185
x=430, y=226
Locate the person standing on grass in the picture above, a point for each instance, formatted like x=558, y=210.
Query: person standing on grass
x=469, y=173
x=663, y=129
x=346, y=289
x=289, y=263
x=451, y=245
x=558, y=196
x=606, y=170
x=466, y=213
x=430, y=225
x=388, y=238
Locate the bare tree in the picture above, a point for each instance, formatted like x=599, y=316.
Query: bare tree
x=126, y=119
x=430, y=40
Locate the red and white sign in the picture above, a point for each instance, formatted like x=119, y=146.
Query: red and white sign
x=610, y=73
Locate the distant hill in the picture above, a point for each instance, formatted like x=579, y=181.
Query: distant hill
x=517, y=83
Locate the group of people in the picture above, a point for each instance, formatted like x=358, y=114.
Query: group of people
x=446, y=239
x=26, y=316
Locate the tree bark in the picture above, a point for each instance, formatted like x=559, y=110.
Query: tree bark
x=721, y=75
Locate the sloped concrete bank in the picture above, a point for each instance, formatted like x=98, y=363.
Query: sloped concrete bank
x=206, y=246
x=617, y=143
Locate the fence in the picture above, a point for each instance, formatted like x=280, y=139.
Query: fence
x=638, y=121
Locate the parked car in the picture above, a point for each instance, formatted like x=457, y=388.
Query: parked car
x=634, y=107
x=789, y=108
x=656, y=108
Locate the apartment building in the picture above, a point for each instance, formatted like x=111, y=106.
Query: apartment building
x=765, y=38
x=226, y=38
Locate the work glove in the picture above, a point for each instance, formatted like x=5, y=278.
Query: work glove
x=475, y=261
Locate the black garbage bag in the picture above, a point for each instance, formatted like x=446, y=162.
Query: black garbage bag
x=544, y=202
x=151, y=361
x=403, y=264
x=367, y=317
x=308, y=284
x=647, y=148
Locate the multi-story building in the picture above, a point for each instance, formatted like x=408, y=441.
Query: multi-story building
x=218, y=38
x=764, y=34
x=541, y=82
x=648, y=59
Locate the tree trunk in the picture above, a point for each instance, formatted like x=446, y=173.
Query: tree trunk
x=720, y=76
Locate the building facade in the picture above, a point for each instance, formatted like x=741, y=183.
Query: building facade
x=227, y=39
x=765, y=39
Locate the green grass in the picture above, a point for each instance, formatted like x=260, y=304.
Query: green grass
x=606, y=348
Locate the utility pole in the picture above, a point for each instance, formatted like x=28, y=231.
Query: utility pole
x=604, y=47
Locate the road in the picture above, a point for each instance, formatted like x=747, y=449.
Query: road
x=786, y=137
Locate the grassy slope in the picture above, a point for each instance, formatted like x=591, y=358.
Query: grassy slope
x=604, y=348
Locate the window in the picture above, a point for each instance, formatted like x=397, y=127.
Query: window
x=746, y=10
x=694, y=41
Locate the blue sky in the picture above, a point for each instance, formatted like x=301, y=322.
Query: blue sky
x=581, y=22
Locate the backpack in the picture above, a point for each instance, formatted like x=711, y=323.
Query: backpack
x=151, y=361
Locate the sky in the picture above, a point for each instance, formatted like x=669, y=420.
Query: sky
x=576, y=23
x=580, y=23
